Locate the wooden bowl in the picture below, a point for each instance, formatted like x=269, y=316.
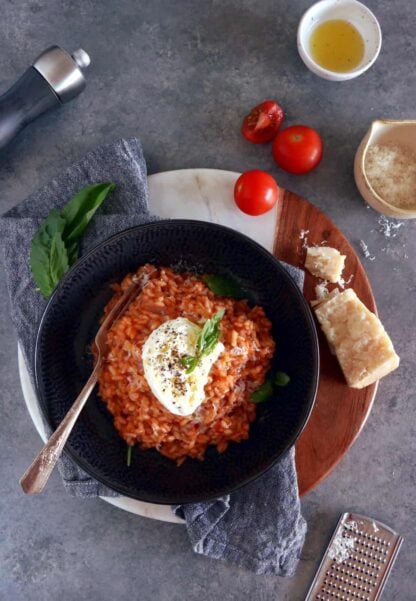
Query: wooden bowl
x=384, y=131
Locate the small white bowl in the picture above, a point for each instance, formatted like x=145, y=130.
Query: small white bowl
x=349, y=10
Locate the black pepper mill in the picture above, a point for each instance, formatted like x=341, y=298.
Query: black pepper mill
x=54, y=78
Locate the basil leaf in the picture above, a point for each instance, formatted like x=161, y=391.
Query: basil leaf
x=58, y=258
x=205, y=333
x=222, y=285
x=72, y=250
x=210, y=334
x=206, y=342
x=281, y=379
x=80, y=210
x=129, y=450
x=54, y=223
x=39, y=264
x=40, y=253
x=54, y=247
x=263, y=393
x=190, y=363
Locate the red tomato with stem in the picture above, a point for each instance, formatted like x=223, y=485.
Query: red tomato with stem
x=262, y=122
x=297, y=149
x=256, y=192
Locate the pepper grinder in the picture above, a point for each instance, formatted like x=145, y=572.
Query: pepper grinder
x=54, y=78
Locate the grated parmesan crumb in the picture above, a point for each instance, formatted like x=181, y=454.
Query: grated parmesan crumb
x=237, y=350
x=321, y=290
x=375, y=527
x=342, y=282
x=341, y=547
x=303, y=236
x=365, y=251
x=389, y=228
x=351, y=525
x=391, y=170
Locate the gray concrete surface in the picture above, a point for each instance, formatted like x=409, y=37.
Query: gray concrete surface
x=181, y=75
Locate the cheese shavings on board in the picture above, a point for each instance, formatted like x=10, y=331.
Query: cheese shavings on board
x=325, y=262
x=323, y=297
x=358, y=338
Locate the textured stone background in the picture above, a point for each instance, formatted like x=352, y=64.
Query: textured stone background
x=181, y=75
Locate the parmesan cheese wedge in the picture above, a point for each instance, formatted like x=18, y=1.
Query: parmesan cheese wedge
x=325, y=262
x=361, y=344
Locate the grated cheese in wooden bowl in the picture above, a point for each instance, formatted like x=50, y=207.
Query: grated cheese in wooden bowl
x=391, y=170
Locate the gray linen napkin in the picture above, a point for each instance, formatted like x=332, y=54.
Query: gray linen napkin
x=258, y=527
x=121, y=162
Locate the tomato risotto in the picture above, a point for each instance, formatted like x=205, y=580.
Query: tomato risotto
x=226, y=411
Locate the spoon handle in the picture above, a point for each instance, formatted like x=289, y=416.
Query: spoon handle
x=37, y=474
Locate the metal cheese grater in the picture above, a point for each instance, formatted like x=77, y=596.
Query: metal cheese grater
x=357, y=562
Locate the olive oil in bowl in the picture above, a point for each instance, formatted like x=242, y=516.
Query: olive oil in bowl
x=336, y=45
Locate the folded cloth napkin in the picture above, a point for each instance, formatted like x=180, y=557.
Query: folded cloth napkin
x=260, y=526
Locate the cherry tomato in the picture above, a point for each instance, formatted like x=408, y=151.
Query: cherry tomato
x=256, y=192
x=262, y=122
x=297, y=149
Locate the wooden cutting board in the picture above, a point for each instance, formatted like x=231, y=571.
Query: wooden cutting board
x=340, y=412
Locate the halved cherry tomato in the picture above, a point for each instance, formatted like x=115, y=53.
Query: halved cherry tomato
x=297, y=149
x=262, y=122
x=256, y=192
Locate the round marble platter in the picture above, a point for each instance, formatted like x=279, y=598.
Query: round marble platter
x=204, y=194
x=340, y=412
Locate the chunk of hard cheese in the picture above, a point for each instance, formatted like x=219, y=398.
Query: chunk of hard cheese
x=361, y=344
x=325, y=262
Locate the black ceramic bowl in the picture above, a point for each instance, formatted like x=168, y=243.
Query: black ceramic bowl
x=63, y=360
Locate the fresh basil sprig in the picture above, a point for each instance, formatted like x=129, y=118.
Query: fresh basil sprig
x=265, y=391
x=54, y=247
x=222, y=285
x=206, y=342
